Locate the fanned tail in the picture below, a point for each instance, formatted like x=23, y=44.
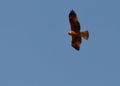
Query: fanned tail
x=85, y=34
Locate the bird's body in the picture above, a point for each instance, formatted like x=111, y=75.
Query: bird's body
x=75, y=31
x=84, y=34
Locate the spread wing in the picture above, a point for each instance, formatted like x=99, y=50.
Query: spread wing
x=75, y=26
x=76, y=41
x=74, y=23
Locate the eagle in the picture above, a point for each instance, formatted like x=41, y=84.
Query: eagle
x=75, y=31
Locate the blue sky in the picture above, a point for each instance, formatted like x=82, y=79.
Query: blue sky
x=35, y=49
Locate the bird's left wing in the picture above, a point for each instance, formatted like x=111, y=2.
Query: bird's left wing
x=74, y=23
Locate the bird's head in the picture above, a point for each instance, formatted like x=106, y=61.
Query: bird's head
x=69, y=33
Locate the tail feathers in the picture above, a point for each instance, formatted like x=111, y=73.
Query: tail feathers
x=85, y=35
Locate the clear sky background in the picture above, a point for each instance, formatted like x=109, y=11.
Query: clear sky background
x=35, y=49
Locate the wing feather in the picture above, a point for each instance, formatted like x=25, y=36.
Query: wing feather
x=76, y=41
x=74, y=23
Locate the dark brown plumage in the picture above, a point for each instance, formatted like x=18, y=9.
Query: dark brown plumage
x=75, y=31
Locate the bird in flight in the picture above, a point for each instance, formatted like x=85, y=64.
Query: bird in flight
x=75, y=31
